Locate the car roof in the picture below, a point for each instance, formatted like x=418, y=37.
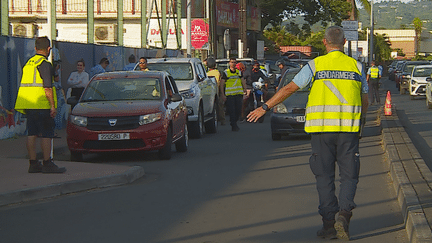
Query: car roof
x=177, y=60
x=130, y=74
x=423, y=66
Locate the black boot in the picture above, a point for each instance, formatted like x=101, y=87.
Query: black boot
x=328, y=230
x=50, y=167
x=342, y=225
x=35, y=166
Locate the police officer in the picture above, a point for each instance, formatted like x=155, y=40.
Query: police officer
x=38, y=100
x=335, y=112
x=373, y=77
x=232, y=89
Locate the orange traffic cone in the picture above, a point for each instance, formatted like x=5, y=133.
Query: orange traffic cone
x=387, y=105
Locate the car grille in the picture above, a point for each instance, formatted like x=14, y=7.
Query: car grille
x=299, y=111
x=103, y=123
x=123, y=144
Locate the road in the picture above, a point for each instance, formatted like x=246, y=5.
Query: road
x=415, y=117
x=229, y=187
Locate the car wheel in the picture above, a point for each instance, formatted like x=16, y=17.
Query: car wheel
x=182, y=144
x=276, y=136
x=165, y=152
x=76, y=156
x=197, y=128
x=211, y=125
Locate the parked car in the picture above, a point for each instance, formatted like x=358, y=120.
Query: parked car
x=403, y=78
x=199, y=91
x=418, y=80
x=392, y=74
x=289, y=116
x=429, y=93
x=128, y=111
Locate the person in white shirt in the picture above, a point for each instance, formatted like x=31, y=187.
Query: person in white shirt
x=78, y=80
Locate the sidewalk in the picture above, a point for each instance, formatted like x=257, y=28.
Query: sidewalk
x=17, y=185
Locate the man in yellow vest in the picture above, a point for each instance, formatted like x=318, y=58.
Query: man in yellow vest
x=38, y=100
x=373, y=77
x=232, y=89
x=335, y=112
x=213, y=72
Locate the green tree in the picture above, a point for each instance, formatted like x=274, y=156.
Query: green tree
x=418, y=24
x=324, y=11
x=382, y=49
x=316, y=41
x=279, y=36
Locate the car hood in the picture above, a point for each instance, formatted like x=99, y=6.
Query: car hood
x=116, y=108
x=184, y=85
x=420, y=79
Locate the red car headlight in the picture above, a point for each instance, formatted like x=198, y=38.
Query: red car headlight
x=149, y=118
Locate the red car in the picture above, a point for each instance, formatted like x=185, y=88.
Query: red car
x=128, y=111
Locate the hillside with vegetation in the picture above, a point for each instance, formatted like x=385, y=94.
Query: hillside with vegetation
x=398, y=15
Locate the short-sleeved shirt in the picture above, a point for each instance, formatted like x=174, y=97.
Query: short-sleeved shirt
x=224, y=76
x=96, y=70
x=46, y=72
x=305, y=77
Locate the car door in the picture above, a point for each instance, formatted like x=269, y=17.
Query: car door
x=175, y=108
x=205, y=87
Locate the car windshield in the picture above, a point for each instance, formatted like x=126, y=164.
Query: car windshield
x=288, y=77
x=123, y=89
x=409, y=67
x=422, y=72
x=179, y=71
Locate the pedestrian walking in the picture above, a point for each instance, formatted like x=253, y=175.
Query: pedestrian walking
x=38, y=100
x=213, y=72
x=373, y=77
x=99, y=68
x=143, y=64
x=78, y=79
x=335, y=112
x=132, y=63
x=232, y=89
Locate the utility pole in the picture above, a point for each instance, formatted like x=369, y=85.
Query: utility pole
x=243, y=29
x=4, y=18
x=371, y=34
x=188, y=29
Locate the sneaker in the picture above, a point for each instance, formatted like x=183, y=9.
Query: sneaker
x=342, y=225
x=35, y=166
x=328, y=230
x=50, y=167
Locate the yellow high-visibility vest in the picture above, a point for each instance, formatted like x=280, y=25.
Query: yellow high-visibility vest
x=374, y=72
x=31, y=93
x=334, y=103
x=233, y=86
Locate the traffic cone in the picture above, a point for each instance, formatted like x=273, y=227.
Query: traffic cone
x=387, y=105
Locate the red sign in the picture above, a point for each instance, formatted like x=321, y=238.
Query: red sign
x=227, y=14
x=199, y=34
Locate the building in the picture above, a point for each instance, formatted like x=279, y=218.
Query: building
x=215, y=23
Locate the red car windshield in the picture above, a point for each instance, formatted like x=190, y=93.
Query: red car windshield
x=123, y=89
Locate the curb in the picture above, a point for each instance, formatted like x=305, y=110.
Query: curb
x=416, y=224
x=63, y=188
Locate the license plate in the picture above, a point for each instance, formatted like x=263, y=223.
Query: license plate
x=114, y=136
x=300, y=119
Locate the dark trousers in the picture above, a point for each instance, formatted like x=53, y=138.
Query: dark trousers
x=233, y=105
x=373, y=90
x=327, y=149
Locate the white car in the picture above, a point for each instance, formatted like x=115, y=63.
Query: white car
x=198, y=90
x=418, y=82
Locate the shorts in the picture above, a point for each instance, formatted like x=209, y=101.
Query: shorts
x=40, y=123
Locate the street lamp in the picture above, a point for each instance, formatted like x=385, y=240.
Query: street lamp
x=371, y=34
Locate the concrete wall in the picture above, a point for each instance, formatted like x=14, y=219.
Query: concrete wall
x=16, y=51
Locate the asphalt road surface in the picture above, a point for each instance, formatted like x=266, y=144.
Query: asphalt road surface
x=230, y=187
